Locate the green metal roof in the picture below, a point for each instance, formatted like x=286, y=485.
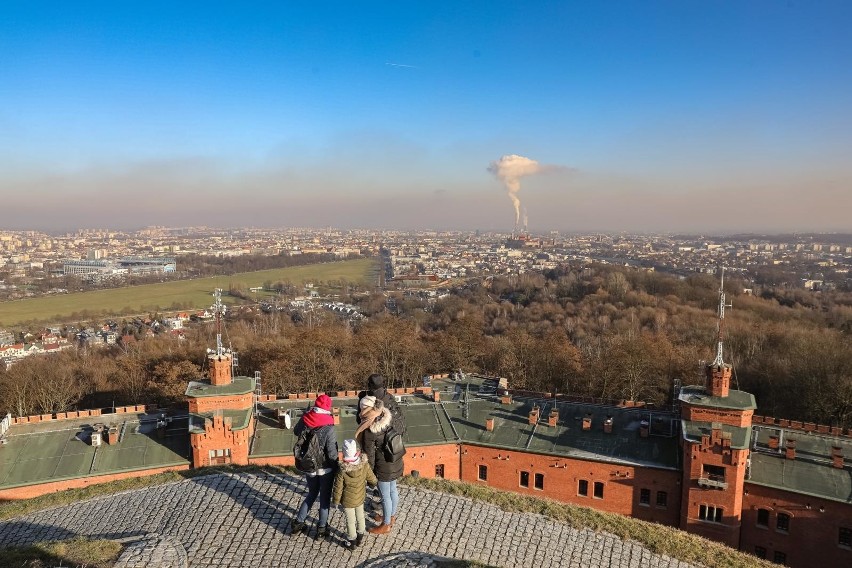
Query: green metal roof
x=59, y=450
x=240, y=385
x=445, y=422
x=693, y=431
x=811, y=472
x=239, y=419
x=698, y=396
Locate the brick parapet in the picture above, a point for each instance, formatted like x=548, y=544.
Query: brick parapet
x=75, y=414
x=802, y=426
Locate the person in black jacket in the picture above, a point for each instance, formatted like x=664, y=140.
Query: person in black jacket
x=320, y=420
x=376, y=388
x=376, y=420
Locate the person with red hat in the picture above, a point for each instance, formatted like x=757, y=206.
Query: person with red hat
x=317, y=443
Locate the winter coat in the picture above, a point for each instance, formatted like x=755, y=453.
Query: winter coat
x=327, y=438
x=374, y=441
x=390, y=402
x=350, y=483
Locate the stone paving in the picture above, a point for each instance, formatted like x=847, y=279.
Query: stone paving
x=243, y=520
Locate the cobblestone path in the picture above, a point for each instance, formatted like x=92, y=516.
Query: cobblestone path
x=243, y=520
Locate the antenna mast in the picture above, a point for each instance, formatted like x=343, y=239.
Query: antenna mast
x=219, y=310
x=720, y=326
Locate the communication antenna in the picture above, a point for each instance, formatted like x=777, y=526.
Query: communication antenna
x=218, y=309
x=720, y=326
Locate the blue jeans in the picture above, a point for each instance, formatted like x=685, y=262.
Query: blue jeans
x=390, y=500
x=317, y=485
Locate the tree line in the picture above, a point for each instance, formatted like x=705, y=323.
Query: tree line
x=596, y=331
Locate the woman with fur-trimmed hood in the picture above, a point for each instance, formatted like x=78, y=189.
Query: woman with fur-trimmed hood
x=376, y=420
x=350, y=490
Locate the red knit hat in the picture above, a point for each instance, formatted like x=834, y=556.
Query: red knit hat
x=324, y=402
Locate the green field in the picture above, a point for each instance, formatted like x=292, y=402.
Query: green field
x=184, y=294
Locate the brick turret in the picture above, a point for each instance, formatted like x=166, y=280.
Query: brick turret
x=220, y=370
x=719, y=380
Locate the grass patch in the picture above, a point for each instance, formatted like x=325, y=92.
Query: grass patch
x=188, y=294
x=75, y=552
x=656, y=538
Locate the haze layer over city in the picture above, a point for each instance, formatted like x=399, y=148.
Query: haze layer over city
x=661, y=116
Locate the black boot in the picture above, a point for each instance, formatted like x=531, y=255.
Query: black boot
x=323, y=532
x=297, y=527
x=359, y=540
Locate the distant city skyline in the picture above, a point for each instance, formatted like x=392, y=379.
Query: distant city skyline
x=659, y=116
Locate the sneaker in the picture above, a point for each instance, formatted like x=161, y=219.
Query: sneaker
x=323, y=532
x=359, y=540
x=349, y=545
x=297, y=528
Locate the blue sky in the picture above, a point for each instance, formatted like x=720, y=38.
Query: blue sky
x=674, y=115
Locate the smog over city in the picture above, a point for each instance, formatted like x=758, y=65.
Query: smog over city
x=450, y=283
x=645, y=118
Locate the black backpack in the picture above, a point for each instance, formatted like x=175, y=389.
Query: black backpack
x=393, y=447
x=307, y=451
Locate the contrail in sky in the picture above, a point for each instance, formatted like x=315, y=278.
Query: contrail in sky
x=401, y=65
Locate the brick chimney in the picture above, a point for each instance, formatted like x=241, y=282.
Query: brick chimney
x=773, y=442
x=220, y=370
x=719, y=380
x=489, y=424
x=607, y=425
x=436, y=396
x=837, y=457
x=553, y=418
x=533, y=417
x=587, y=422
x=790, y=450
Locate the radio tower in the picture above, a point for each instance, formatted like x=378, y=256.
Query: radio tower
x=222, y=361
x=218, y=309
x=720, y=326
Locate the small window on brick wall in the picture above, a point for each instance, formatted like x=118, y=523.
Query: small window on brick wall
x=644, y=496
x=783, y=523
x=583, y=488
x=710, y=513
x=439, y=470
x=539, y=481
x=599, y=487
x=662, y=499
x=760, y=551
x=780, y=557
x=844, y=537
x=763, y=517
x=483, y=473
x=525, y=479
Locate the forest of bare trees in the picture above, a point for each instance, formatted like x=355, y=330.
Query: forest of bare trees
x=606, y=332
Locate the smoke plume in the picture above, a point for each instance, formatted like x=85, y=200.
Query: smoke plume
x=510, y=169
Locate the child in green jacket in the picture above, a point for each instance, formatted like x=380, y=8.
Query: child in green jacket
x=350, y=490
